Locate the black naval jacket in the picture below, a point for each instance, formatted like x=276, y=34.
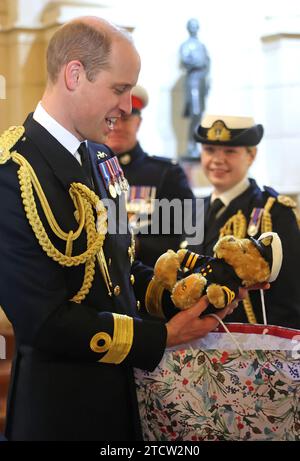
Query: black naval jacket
x=59, y=390
x=283, y=298
x=170, y=182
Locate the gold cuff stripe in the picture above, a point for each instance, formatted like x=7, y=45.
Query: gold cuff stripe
x=153, y=299
x=230, y=294
x=249, y=310
x=122, y=340
x=187, y=264
x=266, y=224
x=192, y=265
x=102, y=336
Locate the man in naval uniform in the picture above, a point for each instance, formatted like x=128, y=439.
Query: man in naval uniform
x=151, y=178
x=238, y=206
x=69, y=290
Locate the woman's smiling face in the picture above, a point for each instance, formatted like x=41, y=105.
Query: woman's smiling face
x=226, y=166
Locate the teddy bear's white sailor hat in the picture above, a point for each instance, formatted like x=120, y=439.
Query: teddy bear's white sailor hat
x=269, y=246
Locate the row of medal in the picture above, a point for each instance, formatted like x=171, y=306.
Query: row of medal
x=140, y=199
x=254, y=223
x=113, y=177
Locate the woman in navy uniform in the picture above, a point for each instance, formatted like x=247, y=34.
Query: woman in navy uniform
x=69, y=289
x=238, y=206
x=150, y=178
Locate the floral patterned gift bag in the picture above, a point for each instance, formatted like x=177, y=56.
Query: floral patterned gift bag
x=208, y=390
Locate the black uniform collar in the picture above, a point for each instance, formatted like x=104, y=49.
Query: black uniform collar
x=240, y=198
x=127, y=158
x=253, y=186
x=63, y=163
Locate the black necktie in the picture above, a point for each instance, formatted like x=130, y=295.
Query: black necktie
x=85, y=160
x=216, y=206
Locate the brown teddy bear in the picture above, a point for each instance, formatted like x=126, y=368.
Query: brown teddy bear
x=237, y=263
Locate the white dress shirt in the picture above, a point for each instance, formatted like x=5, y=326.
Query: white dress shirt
x=231, y=194
x=63, y=136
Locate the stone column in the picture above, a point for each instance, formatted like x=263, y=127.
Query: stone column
x=282, y=96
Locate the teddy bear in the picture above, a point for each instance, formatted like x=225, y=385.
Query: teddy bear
x=237, y=263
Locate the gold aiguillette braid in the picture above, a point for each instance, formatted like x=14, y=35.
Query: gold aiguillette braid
x=84, y=200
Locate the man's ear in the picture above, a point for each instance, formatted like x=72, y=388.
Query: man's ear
x=73, y=72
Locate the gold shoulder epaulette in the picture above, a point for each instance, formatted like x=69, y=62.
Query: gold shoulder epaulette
x=297, y=215
x=286, y=201
x=7, y=140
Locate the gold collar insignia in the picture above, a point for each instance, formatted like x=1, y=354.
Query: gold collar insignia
x=287, y=201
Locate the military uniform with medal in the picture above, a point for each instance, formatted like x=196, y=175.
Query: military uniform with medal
x=251, y=211
x=151, y=178
x=82, y=292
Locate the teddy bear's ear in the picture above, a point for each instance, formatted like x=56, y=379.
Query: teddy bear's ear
x=269, y=245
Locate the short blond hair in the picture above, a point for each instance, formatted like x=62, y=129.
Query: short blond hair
x=82, y=42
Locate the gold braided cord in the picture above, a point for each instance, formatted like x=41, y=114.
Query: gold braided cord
x=85, y=201
x=89, y=270
x=236, y=225
x=104, y=271
x=27, y=179
x=249, y=310
x=266, y=222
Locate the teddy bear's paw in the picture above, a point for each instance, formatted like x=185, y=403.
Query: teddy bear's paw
x=216, y=295
x=165, y=269
x=188, y=291
x=181, y=254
